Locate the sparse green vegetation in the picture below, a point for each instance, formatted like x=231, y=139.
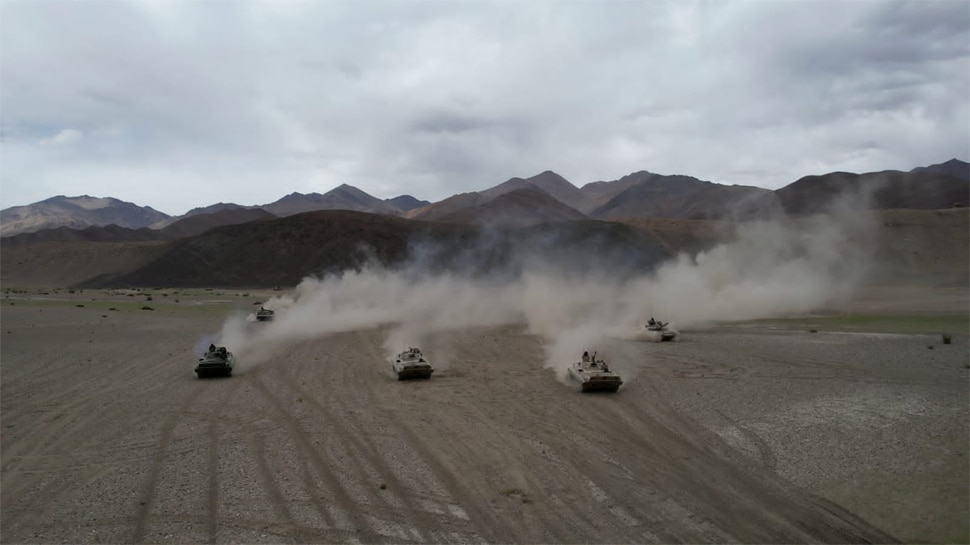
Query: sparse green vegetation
x=79, y=306
x=383, y=486
x=146, y=307
x=947, y=338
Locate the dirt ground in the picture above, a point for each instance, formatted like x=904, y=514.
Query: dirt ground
x=732, y=435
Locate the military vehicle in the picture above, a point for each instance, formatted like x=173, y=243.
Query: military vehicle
x=411, y=364
x=658, y=331
x=216, y=362
x=265, y=315
x=594, y=375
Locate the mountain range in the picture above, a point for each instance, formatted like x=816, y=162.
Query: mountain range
x=527, y=201
x=619, y=227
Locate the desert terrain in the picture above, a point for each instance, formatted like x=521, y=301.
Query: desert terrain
x=846, y=424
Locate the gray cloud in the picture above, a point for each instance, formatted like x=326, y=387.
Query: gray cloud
x=182, y=104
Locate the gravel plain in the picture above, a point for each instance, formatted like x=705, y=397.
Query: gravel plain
x=735, y=434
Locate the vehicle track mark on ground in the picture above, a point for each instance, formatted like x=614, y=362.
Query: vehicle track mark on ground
x=143, y=512
x=151, y=483
x=212, y=498
x=366, y=449
x=344, y=499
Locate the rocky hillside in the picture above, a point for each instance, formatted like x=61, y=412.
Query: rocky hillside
x=521, y=207
x=953, y=167
x=282, y=251
x=548, y=182
x=405, y=203
x=76, y=213
x=343, y=197
x=890, y=189
x=912, y=246
x=189, y=225
x=200, y=211
x=640, y=195
x=656, y=196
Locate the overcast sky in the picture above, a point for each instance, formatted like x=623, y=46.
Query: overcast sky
x=176, y=105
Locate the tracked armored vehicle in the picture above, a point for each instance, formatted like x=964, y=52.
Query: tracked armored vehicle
x=658, y=331
x=594, y=375
x=216, y=362
x=411, y=364
x=264, y=315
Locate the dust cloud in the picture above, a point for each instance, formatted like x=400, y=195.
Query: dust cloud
x=767, y=269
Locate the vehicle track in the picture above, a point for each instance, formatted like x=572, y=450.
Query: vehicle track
x=491, y=449
x=344, y=499
x=151, y=482
x=411, y=502
x=371, y=463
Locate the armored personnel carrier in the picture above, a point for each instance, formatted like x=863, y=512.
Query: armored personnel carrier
x=658, y=331
x=411, y=364
x=264, y=315
x=216, y=362
x=594, y=375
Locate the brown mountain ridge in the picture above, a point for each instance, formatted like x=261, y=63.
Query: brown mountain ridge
x=639, y=195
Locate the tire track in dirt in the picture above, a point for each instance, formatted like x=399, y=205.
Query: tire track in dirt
x=151, y=483
x=258, y=442
x=413, y=510
x=189, y=407
x=79, y=425
x=583, y=461
x=527, y=474
x=390, y=410
x=359, y=406
x=212, y=497
x=65, y=414
x=106, y=384
x=485, y=442
x=228, y=421
x=765, y=455
x=345, y=501
x=737, y=492
x=362, y=450
x=659, y=501
x=486, y=525
x=278, y=501
x=306, y=474
x=575, y=457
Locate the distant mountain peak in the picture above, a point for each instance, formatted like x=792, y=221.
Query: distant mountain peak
x=347, y=188
x=342, y=197
x=954, y=167
x=76, y=213
x=406, y=203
